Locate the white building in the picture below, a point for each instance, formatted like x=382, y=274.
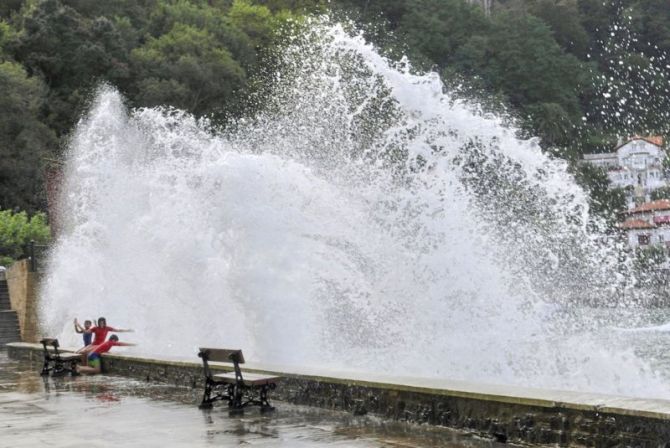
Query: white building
x=649, y=224
x=636, y=165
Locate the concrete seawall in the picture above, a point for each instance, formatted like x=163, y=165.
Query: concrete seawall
x=23, y=295
x=504, y=413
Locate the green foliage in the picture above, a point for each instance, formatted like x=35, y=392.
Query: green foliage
x=551, y=121
x=595, y=17
x=440, y=27
x=203, y=17
x=195, y=55
x=201, y=56
x=23, y=138
x=186, y=68
x=10, y=7
x=7, y=34
x=521, y=58
x=17, y=230
x=71, y=53
x=604, y=201
x=300, y=6
x=648, y=259
x=549, y=62
x=255, y=21
x=660, y=193
x=652, y=19
x=564, y=20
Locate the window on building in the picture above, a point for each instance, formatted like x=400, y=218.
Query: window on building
x=643, y=240
x=661, y=238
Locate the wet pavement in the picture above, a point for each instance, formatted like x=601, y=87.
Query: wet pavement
x=102, y=411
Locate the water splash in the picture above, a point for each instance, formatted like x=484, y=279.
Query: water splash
x=365, y=220
x=631, y=86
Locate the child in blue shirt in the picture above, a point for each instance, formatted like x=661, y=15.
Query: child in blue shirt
x=85, y=331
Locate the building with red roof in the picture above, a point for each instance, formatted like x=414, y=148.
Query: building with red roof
x=648, y=224
x=635, y=165
x=651, y=207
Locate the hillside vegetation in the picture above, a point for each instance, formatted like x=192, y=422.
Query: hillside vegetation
x=577, y=73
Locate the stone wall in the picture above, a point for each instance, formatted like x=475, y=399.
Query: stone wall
x=505, y=414
x=23, y=296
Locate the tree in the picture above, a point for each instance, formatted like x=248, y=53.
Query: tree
x=24, y=139
x=647, y=263
x=390, y=10
x=437, y=28
x=552, y=122
x=72, y=53
x=17, y=230
x=652, y=24
x=660, y=193
x=255, y=21
x=520, y=59
x=604, y=201
x=299, y=6
x=563, y=17
x=596, y=16
x=187, y=68
x=204, y=17
x=10, y=7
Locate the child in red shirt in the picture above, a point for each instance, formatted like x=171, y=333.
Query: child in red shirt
x=99, y=333
x=94, y=366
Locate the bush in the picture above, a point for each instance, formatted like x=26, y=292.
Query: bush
x=660, y=193
x=17, y=230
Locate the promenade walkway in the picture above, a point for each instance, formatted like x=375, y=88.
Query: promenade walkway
x=102, y=411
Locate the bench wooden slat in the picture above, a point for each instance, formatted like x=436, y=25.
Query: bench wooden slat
x=63, y=354
x=222, y=354
x=249, y=379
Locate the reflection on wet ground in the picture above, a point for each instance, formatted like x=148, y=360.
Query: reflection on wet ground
x=102, y=411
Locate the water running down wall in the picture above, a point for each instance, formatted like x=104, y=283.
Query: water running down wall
x=364, y=220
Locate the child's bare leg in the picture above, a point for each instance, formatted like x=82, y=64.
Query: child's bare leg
x=92, y=366
x=84, y=353
x=87, y=370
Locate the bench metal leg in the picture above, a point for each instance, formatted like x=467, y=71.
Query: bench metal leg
x=214, y=392
x=73, y=367
x=207, y=397
x=242, y=396
x=264, y=403
x=235, y=402
x=238, y=396
x=59, y=369
x=45, y=367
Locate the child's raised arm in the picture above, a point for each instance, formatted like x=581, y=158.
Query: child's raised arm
x=77, y=327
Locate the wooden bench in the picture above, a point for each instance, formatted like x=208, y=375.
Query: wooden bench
x=239, y=390
x=56, y=362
